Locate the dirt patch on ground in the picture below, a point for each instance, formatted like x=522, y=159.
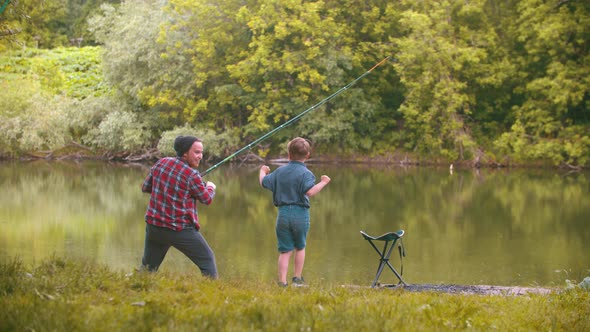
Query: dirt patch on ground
x=473, y=289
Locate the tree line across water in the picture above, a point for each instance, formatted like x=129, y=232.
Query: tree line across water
x=486, y=82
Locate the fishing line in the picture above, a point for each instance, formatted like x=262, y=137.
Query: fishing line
x=297, y=117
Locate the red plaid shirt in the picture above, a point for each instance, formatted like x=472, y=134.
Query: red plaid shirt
x=174, y=186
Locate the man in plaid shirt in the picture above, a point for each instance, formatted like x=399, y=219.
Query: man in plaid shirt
x=171, y=217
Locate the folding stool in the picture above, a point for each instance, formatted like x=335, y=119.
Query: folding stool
x=390, y=240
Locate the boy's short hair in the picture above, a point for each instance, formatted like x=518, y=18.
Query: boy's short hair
x=299, y=148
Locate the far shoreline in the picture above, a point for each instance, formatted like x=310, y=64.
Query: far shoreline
x=398, y=159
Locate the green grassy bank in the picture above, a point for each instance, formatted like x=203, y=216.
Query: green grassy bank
x=65, y=295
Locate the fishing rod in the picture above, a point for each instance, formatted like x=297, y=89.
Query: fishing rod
x=4, y=6
x=297, y=117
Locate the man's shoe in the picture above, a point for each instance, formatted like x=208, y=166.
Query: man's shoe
x=282, y=284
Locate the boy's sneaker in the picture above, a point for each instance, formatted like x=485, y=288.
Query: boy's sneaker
x=282, y=284
x=298, y=282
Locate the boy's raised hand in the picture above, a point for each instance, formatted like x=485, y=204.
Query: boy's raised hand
x=264, y=169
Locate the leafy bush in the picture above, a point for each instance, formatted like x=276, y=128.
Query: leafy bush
x=75, y=72
x=110, y=124
x=572, y=146
x=118, y=131
x=29, y=119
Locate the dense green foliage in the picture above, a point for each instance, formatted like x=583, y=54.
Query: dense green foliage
x=72, y=296
x=47, y=23
x=486, y=81
x=50, y=99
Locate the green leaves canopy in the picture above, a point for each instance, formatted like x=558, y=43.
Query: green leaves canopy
x=248, y=65
x=490, y=81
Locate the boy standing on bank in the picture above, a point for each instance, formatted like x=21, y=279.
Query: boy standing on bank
x=291, y=187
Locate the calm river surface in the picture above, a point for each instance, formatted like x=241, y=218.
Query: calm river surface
x=498, y=227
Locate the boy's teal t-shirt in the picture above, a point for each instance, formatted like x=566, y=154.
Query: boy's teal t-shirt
x=289, y=183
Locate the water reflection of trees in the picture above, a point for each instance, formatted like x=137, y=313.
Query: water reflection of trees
x=459, y=226
x=65, y=202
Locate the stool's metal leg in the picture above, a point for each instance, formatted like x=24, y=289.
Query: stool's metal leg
x=384, y=260
x=397, y=274
x=379, y=270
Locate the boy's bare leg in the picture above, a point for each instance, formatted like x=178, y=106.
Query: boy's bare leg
x=299, y=261
x=284, y=258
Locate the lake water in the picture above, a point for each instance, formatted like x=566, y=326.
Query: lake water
x=495, y=227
